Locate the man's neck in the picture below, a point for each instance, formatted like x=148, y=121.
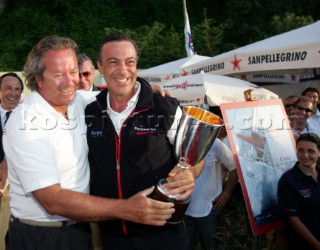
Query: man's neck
x=299, y=124
x=62, y=110
x=119, y=103
x=5, y=109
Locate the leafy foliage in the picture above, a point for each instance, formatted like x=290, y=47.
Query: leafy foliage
x=289, y=21
x=208, y=36
x=236, y=231
x=217, y=26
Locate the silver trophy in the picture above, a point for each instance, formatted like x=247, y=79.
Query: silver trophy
x=196, y=133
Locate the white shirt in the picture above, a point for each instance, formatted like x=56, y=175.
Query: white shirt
x=209, y=184
x=309, y=128
x=314, y=120
x=42, y=149
x=3, y=116
x=118, y=118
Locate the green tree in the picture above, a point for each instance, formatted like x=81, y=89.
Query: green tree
x=157, y=25
x=156, y=44
x=289, y=22
x=207, y=36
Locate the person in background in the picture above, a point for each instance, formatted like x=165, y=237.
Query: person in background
x=86, y=73
x=130, y=136
x=46, y=151
x=299, y=118
x=289, y=104
x=202, y=217
x=11, y=88
x=313, y=94
x=299, y=195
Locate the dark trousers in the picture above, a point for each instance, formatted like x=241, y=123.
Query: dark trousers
x=26, y=237
x=203, y=229
x=171, y=238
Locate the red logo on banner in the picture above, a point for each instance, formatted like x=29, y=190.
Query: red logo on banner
x=293, y=78
x=236, y=63
x=184, y=73
x=182, y=86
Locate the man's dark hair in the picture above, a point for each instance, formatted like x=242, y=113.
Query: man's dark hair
x=310, y=89
x=118, y=37
x=13, y=75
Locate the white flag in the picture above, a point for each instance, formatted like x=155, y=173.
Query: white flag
x=187, y=32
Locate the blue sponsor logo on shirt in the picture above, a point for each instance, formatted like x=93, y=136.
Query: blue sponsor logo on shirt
x=96, y=133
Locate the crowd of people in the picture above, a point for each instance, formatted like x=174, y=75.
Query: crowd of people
x=75, y=154
x=299, y=187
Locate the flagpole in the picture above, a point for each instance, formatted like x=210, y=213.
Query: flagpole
x=187, y=32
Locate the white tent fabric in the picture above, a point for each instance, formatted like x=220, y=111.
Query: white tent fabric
x=269, y=60
x=167, y=71
x=192, y=89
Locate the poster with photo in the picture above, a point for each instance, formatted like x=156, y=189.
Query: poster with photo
x=264, y=148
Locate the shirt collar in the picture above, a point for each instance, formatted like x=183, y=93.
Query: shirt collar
x=2, y=110
x=131, y=103
x=46, y=109
x=299, y=173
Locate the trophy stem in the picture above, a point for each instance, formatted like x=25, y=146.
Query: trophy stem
x=182, y=166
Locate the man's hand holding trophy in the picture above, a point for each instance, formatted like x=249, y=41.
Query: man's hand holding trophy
x=196, y=133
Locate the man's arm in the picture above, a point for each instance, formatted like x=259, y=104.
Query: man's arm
x=74, y=205
x=182, y=181
x=161, y=91
x=3, y=176
x=197, y=169
x=225, y=195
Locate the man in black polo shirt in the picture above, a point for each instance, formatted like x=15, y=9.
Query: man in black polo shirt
x=130, y=136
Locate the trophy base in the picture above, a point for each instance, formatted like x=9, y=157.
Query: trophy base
x=179, y=206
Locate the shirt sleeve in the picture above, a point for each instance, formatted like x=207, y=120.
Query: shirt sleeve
x=224, y=154
x=87, y=96
x=287, y=202
x=31, y=160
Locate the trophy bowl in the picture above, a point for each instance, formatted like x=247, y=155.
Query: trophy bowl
x=197, y=130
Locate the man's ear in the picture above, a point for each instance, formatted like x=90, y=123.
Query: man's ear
x=39, y=81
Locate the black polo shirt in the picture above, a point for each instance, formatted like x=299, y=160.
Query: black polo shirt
x=299, y=195
x=125, y=164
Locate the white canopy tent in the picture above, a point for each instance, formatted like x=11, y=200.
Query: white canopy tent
x=192, y=89
x=283, y=58
x=167, y=71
